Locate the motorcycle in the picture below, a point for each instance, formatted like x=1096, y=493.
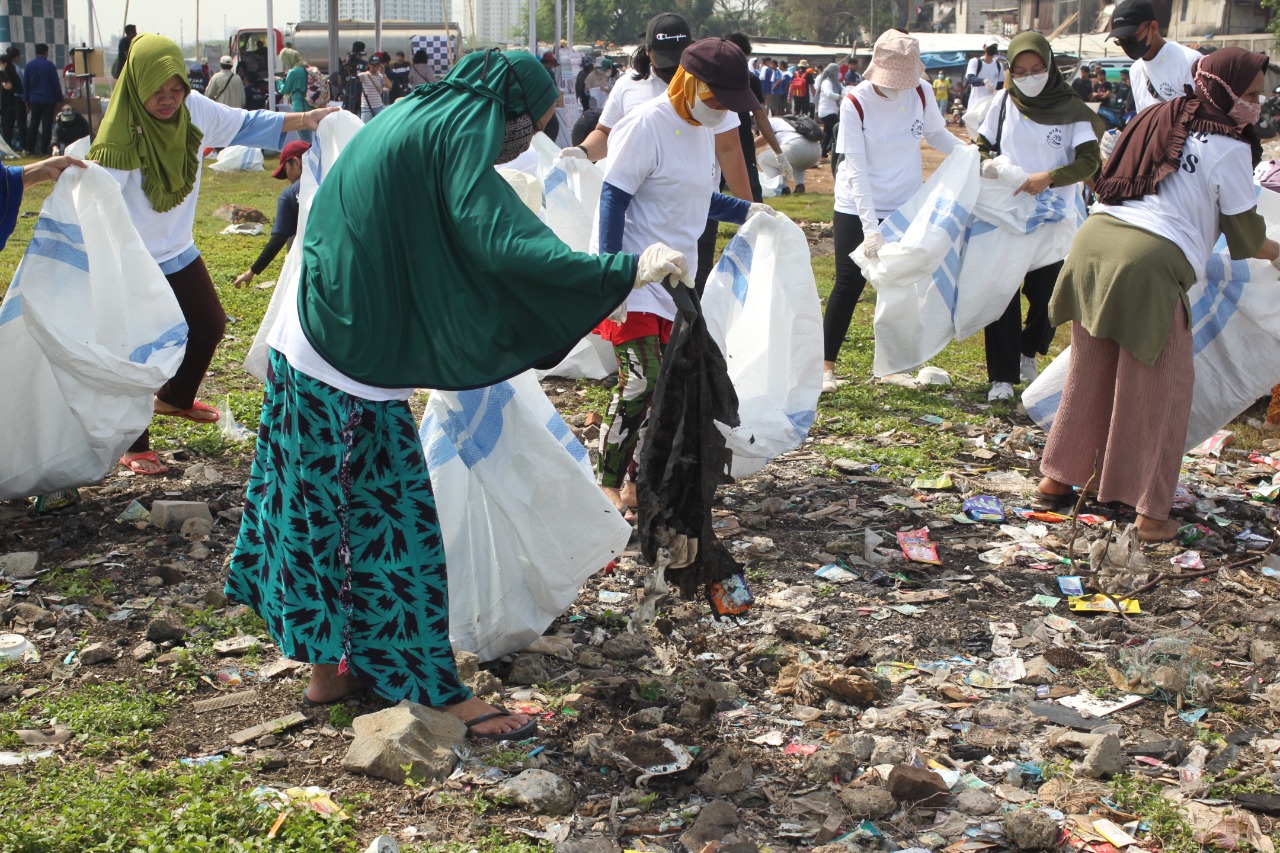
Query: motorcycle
x=1269, y=122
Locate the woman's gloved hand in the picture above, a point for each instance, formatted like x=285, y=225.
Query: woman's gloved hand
x=872, y=244
x=659, y=261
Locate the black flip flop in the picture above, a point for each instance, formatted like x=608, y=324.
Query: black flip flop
x=527, y=730
x=1045, y=502
x=308, y=702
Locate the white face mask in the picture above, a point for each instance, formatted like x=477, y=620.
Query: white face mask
x=1033, y=84
x=705, y=115
x=889, y=94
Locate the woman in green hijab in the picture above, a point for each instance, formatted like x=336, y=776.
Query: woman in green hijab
x=1042, y=126
x=294, y=85
x=150, y=142
x=339, y=548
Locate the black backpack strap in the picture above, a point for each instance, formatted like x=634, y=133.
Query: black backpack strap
x=1004, y=105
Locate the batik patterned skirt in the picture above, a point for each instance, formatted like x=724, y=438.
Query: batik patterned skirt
x=339, y=548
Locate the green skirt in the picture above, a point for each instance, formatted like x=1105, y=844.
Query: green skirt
x=339, y=549
x=1122, y=283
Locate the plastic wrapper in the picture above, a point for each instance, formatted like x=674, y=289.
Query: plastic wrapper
x=917, y=548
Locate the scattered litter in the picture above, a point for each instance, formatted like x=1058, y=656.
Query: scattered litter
x=1086, y=703
x=244, y=229
x=1100, y=603
x=984, y=508
x=917, y=548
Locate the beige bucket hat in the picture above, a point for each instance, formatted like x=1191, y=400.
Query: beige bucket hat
x=895, y=61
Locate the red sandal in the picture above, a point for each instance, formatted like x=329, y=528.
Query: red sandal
x=146, y=456
x=189, y=414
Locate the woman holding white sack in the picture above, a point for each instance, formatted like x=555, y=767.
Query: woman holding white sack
x=1180, y=175
x=881, y=124
x=1039, y=123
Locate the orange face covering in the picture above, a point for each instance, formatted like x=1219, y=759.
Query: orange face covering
x=683, y=91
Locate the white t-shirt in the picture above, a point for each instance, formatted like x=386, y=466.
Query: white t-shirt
x=168, y=235
x=1036, y=147
x=987, y=71
x=1167, y=74
x=882, y=165
x=828, y=98
x=669, y=168
x=783, y=130
x=1215, y=178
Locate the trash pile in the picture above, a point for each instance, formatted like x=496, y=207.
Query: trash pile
x=930, y=663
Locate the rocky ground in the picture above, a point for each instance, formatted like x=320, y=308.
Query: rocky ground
x=866, y=701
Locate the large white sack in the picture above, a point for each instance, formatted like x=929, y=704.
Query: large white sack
x=523, y=521
x=762, y=310
x=571, y=194
x=331, y=137
x=955, y=255
x=1235, y=325
x=89, y=330
x=238, y=158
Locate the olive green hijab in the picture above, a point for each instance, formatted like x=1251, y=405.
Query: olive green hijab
x=1058, y=103
x=463, y=286
x=165, y=151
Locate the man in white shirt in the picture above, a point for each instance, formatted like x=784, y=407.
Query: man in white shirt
x=1162, y=69
x=984, y=75
x=225, y=87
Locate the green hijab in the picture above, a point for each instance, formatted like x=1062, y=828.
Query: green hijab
x=463, y=286
x=165, y=151
x=1058, y=103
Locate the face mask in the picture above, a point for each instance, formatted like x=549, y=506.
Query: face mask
x=515, y=141
x=1033, y=84
x=705, y=115
x=890, y=94
x=1244, y=111
x=1134, y=48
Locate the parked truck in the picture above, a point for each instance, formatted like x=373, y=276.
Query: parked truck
x=311, y=39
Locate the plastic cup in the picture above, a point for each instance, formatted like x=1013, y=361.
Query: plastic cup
x=13, y=646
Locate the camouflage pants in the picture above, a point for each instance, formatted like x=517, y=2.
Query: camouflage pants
x=638, y=362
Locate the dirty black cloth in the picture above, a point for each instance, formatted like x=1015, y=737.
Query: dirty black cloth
x=684, y=458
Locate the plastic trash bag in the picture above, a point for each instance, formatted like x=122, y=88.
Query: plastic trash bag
x=238, y=158
x=935, y=278
x=89, y=330
x=1235, y=327
x=332, y=136
x=523, y=521
x=762, y=310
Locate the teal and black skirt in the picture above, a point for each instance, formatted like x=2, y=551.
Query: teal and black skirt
x=339, y=548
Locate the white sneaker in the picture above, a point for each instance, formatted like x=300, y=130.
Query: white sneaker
x=1029, y=369
x=828, y=382
x=1000, y=391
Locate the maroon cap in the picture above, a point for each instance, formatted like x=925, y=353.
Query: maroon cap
x=722, y=65
x=293, y=150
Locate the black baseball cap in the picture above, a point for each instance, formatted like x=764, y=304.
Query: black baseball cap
x=666, y=37
x=722, y=65
x=1128, y=16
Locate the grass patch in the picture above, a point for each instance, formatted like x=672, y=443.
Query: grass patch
x=106, y=718
x=79, y=807
x=494, y=842
x=1169, y=828
x=76, y=583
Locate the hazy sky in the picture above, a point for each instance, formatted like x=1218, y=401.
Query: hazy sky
x=175, y=17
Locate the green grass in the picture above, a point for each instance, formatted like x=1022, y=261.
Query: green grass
x=77, y=807
x=105, y=718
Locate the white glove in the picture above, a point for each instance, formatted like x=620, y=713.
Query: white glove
x=758, y=208
x=1275, y=262
x=659, y=261
x=991, y=87
x=1108, y=143
x=784, y=165
x=575, y=152
x=990, y=169
x=872, y=244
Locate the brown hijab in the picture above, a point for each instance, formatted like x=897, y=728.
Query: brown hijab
x=1150, y=148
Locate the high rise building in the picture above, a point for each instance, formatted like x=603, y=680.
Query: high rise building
x=496, y=21
x=392, y=10
x=26, y=23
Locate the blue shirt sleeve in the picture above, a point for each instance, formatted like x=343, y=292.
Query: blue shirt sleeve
x=261, y=129
x=613, y=217
x=726, y=208
x=286, y=224
x=11, y=196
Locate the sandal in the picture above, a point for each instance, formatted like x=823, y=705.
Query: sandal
x=308, y=702
x=190, y=414
x=527, y=730
x=146, y=456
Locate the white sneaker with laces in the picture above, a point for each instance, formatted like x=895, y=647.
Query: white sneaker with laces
x=1029, y=369
x=828, y=382
x=1000, y=391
